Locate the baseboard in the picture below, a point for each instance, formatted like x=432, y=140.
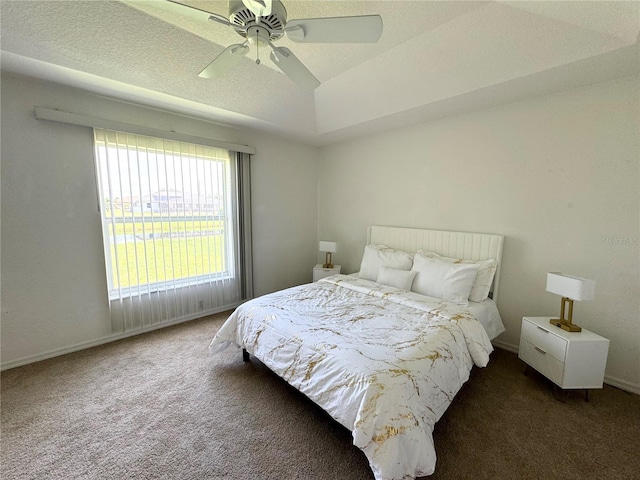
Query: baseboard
x=509, y=347
x=608, y=379
x=622, y=384
x=101, y=341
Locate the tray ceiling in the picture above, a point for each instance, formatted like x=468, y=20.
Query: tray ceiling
x=435, y=58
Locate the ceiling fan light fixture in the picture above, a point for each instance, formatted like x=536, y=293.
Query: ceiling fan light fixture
x=258, y=36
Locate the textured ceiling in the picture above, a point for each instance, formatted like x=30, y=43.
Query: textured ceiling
x=434, y=58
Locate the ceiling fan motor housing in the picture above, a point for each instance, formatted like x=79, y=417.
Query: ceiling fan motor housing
x=271, y=25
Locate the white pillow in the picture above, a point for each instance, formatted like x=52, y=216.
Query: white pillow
x=484, y=279
x=376, y=256
x=396, y=278
x=449, y=281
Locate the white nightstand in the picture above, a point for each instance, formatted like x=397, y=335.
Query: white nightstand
x=319, y=272
x=571, y=360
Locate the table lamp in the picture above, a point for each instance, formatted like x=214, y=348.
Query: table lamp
x=570, y=288
x=329, y=248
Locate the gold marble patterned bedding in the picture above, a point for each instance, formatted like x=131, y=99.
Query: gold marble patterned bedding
x=384, y=362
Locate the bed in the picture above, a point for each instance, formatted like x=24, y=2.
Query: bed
x=385, y=350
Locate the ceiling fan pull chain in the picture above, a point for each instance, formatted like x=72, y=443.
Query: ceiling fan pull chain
x=257, y=50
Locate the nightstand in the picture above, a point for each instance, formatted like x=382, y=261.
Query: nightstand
x=571, y=360
x=319, y=272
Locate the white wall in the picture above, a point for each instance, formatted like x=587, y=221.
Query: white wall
x=557, y=175
x=54, y=293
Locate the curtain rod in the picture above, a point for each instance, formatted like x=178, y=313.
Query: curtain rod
x=54, y=115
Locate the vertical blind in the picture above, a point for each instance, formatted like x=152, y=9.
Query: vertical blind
x=176, y=228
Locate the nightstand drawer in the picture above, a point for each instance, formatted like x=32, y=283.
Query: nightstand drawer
x=542, y=361
x=545, y=340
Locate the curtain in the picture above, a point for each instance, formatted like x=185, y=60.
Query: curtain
x=176, y=227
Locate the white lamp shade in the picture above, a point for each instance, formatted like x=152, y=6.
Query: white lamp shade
x=328, y=246
x=570, y=286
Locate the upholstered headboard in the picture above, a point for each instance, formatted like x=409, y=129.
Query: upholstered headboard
x=464, y=245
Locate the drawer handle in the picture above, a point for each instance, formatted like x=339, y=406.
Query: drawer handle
x=540, y=350
x=543, y=329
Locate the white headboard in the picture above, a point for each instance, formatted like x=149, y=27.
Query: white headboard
x=468, y=246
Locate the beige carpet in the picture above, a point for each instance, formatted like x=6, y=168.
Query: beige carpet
x=158, y=406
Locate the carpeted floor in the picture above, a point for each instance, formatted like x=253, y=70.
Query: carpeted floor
x=158, y=406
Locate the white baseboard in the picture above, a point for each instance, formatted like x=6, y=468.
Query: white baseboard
x=608, y=379
x=622, y=384
x=101, y=341
x=509, y=347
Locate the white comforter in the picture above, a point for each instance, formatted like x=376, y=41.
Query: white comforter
x=383, y=362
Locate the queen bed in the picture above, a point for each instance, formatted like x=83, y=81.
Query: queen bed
x=383, y=351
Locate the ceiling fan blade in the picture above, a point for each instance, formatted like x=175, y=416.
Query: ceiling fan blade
x=362, y=29
x=183, y=10
x=223, y=62
x=294, y=68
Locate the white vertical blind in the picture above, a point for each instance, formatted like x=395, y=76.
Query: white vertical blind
x=173, y=228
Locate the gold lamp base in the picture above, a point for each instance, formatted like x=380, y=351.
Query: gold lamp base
x=327, y=261
x=565, y=325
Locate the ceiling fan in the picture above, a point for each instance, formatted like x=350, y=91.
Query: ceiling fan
x=263, y=22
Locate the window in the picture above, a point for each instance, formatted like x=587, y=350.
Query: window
x=172, y=224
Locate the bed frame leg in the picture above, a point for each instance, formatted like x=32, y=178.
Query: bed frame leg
x=245, y=355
